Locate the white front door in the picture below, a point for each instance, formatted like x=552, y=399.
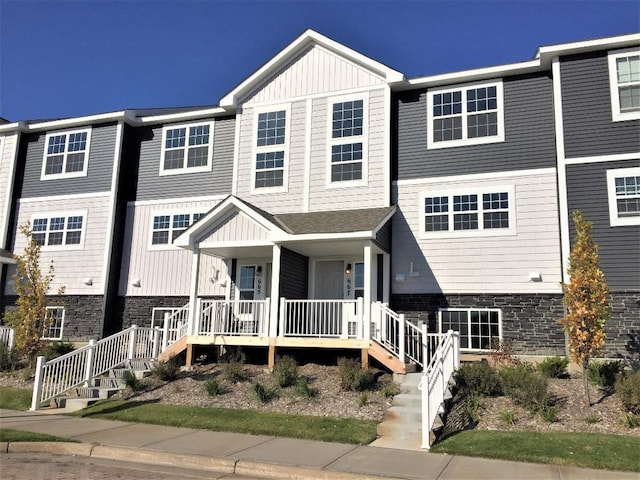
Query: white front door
x=329, y=280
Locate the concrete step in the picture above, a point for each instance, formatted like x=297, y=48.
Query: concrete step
x=96, y=392
x=413, y=400
x=404, y=414
x=398, y=429
x=409, y=442
x=73, y=404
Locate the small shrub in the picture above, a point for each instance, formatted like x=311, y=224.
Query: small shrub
x=390, y=390
x=554, y=367
x=480, y=378
x=132, y=382
x=603, y=374
x=352, y=376
x=628, y=387
x=8, y=358
x=57, y=349
x=167, y=371
x=592, y=419
x=214, y=387
x=363, y=399
x=507, y=416
x=502, y=353
x=303, y=389
x=472, y=406
x=631, y=420
x=525, y=386
x=549, y=414
x=285, y=371
x=233, y=368
x=263, y=393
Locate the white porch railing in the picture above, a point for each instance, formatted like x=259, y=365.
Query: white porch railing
x=445, y=361
x=7, y=335
x=233, y=317
x=57, y=376
x=322, y=318
x=174, y=326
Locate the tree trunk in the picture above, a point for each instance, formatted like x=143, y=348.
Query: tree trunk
x=585, y=382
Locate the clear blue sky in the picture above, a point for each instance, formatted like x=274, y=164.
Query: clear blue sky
x=66, y=58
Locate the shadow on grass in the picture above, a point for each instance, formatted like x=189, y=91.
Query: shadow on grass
x=97, y=410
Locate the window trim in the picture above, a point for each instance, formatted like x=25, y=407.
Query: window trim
x=469, y=311
x=85, y=166
x=66, y=214
x=481, y=231
x=614, y=219
x=364, y=139
x=616, y=115
x=185, y=169
x=500, y=137
x=54, y=307
x=281, y=147
x=170, y=213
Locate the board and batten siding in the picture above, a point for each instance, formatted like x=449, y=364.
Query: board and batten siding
x=99, y=168
x=218, y=181
x=165, y=271
x=619, y=246
x=235, y=227
x=74, y=265
x=8, y=145
x=586, y=110
x=528, y=126
x=480, y=264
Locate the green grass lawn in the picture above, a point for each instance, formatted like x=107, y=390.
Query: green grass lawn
x=588, y=450
x=327, y=429
x=9, y=435
x=15, y=398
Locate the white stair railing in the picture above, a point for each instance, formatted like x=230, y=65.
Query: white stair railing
x=175, y=326
x=57, y=376
x=444, y=362
x=7, y=335
x=234, y=317
x=321, y=318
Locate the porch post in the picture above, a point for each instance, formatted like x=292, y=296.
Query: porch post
x=193, y=291
x=275, y=291
x=386, y=275
x=368, y=286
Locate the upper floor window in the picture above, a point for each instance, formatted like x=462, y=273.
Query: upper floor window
x=465, y=115
x=348, y=142
x=186, y=148
x=167, y=227
x=53, y=323
x=66, y=154
x=482, y=212
x=59, y=231
x=624, y=81
x=270, y=149
x=623, y=185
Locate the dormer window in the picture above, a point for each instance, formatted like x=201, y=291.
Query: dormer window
x=186, y=149
x=66, y=154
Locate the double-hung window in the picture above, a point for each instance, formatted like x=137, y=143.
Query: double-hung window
x=66, y=154
x=186, y=148
x=624, y=82
x=623, y=186
x=59, y=231
x=486, y=212
x=465, y=115
x=167, y=227
x=271, y=149
x=53, y=323
x=348, y=142
x=478, y=328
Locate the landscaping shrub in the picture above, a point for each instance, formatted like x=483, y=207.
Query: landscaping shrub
x=628, y=387
x=631, y=420
x=363, y=399
x=263, y=393
x=390, y=390
x=554, y=367
x=132, y=382
x=285, y=371
x=8, y=358
x=507, y=416
x=480, y=378
x=57, y=349
x=233, y=366
x=303, y=389
x=603, y=374
x=167, y=371
x=526, y=387
x=502, y=353
x=213, y=387
x=352, y=376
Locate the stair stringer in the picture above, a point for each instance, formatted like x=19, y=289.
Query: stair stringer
x=386, y=358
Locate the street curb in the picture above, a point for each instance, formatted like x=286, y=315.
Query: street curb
x=59, y=448
x=271, y=470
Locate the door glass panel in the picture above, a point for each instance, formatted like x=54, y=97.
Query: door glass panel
x=358, y=278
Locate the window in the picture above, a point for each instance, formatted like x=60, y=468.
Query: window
x=358, y=280
x=623, y=186
x=489, y=212
x=167, y=227
x=186, y=148
x=348, y=143
x=465, y=115
x=477, y=328
x=624, y=81
x=270, y=149
x=63, y=231
x=66, y=154
x=53, y=323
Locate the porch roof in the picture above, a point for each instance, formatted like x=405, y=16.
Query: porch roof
x=6, y=257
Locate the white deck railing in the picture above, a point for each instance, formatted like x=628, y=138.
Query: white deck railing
x=57, y=376
x=321, y=318
x=444, y=361
x=174, y=327
x=233, y=317
x=7, y=335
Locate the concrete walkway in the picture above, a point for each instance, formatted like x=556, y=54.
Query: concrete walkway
x=266, y=457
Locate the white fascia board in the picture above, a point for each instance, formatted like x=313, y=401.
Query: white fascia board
x=13, y=127
x=621, y=41
x=307, y=38
x=386, y=218
x=123, y=115
x=184, y=116
x=287, y=237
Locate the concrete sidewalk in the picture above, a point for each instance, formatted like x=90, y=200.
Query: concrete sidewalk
x=267, y=457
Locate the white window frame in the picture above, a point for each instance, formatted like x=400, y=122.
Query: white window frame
x=464, y=114
x=171, y=213
x=280, y=147
x=616, y=114
x=185, y=169
x=364, y=139
x=469, y=311
x=66, y=214
x=480, y=231
x=614, y=219
x=47, y=336
x=65, y=155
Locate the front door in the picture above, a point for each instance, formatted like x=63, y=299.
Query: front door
x=329, y=280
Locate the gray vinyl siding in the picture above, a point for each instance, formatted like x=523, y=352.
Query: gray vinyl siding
x=218, y=181
x=529, y=134
x=586, y=110
x=99, y=168
x=293, y=275
x=618, y=246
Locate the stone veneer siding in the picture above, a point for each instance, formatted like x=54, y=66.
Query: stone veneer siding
x=138, y=310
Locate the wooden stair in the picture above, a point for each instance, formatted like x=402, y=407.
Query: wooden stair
x=389, y=360
x=173, y=350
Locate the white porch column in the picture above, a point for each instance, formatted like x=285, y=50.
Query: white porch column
x=193, y=291
x=275, y=291
x=386, y=276
x=368, y=287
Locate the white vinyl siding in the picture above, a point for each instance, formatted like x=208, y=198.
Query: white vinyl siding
x=624, y=82
x=7, y=152
x=623, y=187
x=66, y=154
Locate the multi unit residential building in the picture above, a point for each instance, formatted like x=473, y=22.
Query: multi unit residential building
x=330, y=202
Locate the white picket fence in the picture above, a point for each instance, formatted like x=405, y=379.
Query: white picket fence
x=443, y=363
x=61, y=374
x=7, y=336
